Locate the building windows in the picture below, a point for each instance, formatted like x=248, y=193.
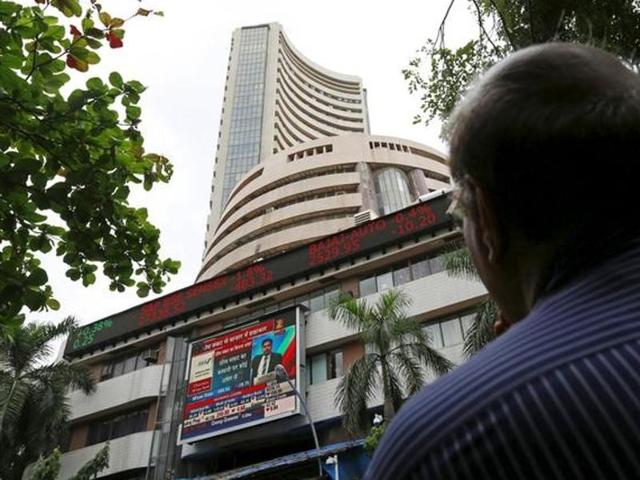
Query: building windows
x=129, y=363
x=451, y=331
x=246, y=118
x=325, y=366
x=320, y=299
x=118, y=426
x=392, y=189
x=401, y=273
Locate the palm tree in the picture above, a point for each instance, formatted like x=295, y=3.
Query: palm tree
x=458, y=263
x=397, y=355
x=33, y=403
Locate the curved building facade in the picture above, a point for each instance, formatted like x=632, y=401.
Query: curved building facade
x=317, y=188
x=276, y=98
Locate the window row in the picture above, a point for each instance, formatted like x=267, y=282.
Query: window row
x=391, y=146
x=310, y=151
x=449, y=332
x=128, y=363
x=118, y=426
x=401, y=274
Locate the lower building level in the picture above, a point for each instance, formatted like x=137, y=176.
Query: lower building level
x=143, y=362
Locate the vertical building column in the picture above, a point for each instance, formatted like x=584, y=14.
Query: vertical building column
x=418, y=182
x=367, y=188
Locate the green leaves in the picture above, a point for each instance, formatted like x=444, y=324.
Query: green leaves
x=116, y=79
x=74, y=154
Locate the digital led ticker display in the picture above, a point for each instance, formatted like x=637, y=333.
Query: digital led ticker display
x=414, y=220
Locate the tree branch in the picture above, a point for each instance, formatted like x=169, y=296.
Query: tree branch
x=507, y=32
x=481, y=23
x=440, y=34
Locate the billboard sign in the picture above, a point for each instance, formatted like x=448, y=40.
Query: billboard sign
x=231, y=380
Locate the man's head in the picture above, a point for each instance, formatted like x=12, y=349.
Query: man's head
x=545, y=151
x=267, y=345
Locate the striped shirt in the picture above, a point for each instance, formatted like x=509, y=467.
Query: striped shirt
x=556, y=396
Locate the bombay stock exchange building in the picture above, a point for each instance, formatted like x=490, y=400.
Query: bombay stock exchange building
x=298, y=179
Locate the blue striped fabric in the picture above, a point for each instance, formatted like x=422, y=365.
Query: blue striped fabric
x=557, y=396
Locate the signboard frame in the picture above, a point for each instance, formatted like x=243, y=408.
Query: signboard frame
x=299, y=362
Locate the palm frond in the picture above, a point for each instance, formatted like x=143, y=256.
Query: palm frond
x=481, y=330
x=458, y=263
x=392, y=305
x=431, y=358
x=392, y=387
x=351, y=312
x=356, y=388
x=409, y=367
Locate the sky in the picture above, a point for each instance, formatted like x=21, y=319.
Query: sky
x=182, y=59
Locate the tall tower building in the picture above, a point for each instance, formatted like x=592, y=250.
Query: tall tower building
x=276, y=98
x=295, y=159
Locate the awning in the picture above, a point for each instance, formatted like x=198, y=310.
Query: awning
x=280, y=462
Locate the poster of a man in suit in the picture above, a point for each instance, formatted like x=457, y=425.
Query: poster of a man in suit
x=266, y=361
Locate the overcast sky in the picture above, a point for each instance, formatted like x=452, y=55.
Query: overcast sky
x=182, y=58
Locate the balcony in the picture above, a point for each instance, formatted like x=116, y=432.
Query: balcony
x=126, y=453
x=430, y=293
x=133, y=387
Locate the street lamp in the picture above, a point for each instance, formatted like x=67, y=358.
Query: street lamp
x=281, y=374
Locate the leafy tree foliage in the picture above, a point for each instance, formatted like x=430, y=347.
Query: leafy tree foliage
x=48, y=468
x=440, y=74
x=33, y=395
x=68, y=161
x=397, y=356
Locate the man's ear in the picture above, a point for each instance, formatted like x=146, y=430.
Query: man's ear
x=488, y=224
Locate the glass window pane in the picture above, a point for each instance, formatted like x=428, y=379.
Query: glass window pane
x=451, y=332
x=401, y=275
x=434, y=334
x=104, y=432
x=119, y=427
x=420, y=269
x=336, y=364
x=436, y=264
x=118, y=367
x=317, y=302
x=129, y=364
x=319, y=368
x=331, y=297
x=384, y=281
x=467, y=321
x=367, y=286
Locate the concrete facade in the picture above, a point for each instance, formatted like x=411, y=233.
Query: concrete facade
x=311, y=190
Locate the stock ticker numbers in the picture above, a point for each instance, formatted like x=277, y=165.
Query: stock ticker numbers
x=413, y=220
x=86, y=335
x=342, y=244
x=251, y=277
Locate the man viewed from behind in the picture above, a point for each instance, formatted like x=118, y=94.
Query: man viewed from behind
x=546, y=152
